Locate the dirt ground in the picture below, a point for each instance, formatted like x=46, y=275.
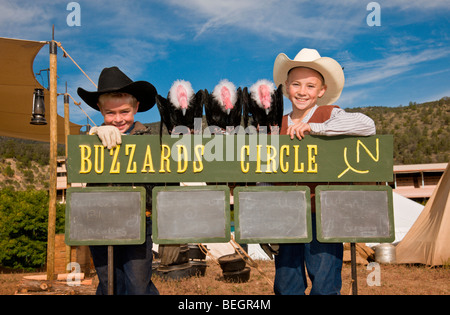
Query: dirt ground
x=394, y=280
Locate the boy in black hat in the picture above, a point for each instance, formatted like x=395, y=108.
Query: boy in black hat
x=118, y=98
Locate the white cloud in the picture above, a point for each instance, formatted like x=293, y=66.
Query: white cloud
x=406, y=5
x=133, y=34
x=24, y=20
x=135, y=19
x=364, y=72
x=293, y=19
x=350, y=98
x=336, y=22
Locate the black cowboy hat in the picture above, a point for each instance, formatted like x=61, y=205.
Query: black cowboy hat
x=114, y=80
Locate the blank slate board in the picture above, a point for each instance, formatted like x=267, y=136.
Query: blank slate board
x=354, y=214
x=272, y=214
x=192, y=214
x=105, y=216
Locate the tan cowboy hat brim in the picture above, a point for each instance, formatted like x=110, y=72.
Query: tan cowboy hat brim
x=330, y=69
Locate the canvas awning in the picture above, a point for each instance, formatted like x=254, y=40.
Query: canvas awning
x=17, y=84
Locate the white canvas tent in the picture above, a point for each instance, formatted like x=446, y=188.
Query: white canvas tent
x=220, y=249
x=428, y=240
x=406, y=212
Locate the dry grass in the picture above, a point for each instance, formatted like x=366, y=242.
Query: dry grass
x=213, y=283
x=395, y=280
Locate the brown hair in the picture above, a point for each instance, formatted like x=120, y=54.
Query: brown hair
x=320, y=74
x=131, y=99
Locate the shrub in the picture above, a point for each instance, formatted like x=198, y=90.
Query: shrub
x=23, y=227
x=8, y=171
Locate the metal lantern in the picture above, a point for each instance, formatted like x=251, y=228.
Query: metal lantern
x=38, y=114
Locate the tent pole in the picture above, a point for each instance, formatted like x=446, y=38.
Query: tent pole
x=52, y=170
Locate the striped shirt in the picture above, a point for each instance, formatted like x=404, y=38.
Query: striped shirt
x=340, y=123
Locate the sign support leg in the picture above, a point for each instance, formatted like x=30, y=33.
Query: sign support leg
x=110, y=270
x=354, y=274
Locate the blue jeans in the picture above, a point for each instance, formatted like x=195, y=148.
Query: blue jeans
x=132, y=267
x=323, y=263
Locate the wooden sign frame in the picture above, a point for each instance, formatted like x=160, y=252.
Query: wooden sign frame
x=364, y=209
x=160, y=236
x=72, y=240
x=240, y=226
x=231, y=158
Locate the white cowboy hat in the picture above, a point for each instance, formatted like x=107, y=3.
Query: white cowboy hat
x=329, y=68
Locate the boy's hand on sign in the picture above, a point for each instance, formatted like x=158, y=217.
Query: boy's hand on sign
x=299, y=129
x=110, y=136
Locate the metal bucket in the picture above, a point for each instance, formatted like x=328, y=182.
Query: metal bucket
x=385, y=253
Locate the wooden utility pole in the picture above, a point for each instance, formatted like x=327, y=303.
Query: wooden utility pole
x=67, y=133
x=66, y=116
x=53, y=155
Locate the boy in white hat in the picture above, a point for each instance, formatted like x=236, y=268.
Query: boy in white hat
x=313, y=83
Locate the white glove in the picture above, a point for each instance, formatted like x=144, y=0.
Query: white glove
x=110, y=136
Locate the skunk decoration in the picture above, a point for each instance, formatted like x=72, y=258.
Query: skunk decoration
x=181, y=106
x=264, y=106
x=223, y=107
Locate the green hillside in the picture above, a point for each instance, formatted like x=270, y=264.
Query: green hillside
x=421, y=131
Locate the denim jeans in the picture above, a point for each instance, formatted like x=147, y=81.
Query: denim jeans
x=132, y=267
x=323, y=262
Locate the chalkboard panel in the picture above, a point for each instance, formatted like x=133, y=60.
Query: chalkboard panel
x=193, y=214
x=105, y=215
x=354, y=214
x=272, y=214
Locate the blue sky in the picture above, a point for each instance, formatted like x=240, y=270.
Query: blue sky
x=406, y=58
